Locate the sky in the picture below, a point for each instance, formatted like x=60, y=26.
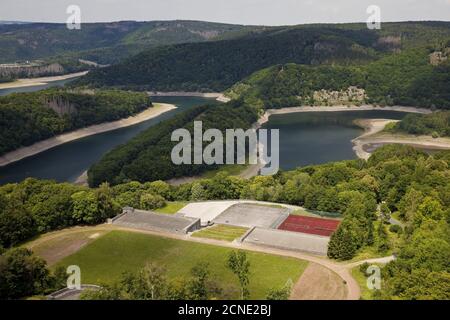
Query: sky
x=250, y=12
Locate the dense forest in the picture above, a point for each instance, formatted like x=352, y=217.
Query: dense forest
x=217, y=65
x=26, y=118
x=147, y=156
x=395, y=181
x=104, y=43
x=435, y=124
x=405, y=78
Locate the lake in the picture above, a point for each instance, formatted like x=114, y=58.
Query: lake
x=305, y=138
x=318, y=137
x=68, y=161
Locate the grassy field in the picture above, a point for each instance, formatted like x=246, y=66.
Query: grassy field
x=105, y=259
x=57, y=245
x=221, y=232
x=172, y=207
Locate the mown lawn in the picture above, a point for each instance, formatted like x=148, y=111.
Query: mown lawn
x=105, y=260
x=221, y=232
x=172, y=207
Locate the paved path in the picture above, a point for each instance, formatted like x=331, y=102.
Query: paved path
x=383, y=260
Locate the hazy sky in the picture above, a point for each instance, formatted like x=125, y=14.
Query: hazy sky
x=268, y=12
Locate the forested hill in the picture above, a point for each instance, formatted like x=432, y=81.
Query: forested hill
x=26, y=118
x=104, y=43
x=406, y=78
x=217, y=65
x=147, y=157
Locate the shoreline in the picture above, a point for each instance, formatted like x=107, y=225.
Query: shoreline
x=371, y=126
x=38, y=147
x=31, y=82
x=217, y=95
x=373, y=135
x=269, y=112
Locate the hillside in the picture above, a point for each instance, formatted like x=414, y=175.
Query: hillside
x=217, y=65
x=147, y=157
x=406, y=78
x=103, y=43
x=26, y=118
x=435, y=124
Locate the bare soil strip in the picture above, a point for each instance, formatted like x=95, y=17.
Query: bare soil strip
x=24, y=152
x=30, y=82
x=319, y=283
x=374, y=135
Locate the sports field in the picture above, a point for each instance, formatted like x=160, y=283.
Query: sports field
x=221, y=232
x=105, y=259
x=318, y=226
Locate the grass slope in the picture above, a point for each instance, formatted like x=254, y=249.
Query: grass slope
x=172, y=207
x=221, y=232
x=107, y=258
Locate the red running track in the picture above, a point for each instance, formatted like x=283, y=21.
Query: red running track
x=319, y=226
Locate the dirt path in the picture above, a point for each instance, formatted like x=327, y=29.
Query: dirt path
x=318, y=283
x=54, y=246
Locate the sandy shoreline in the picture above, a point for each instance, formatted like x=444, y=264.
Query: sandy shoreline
x=372, y=127
x=217, y=95
x=24, y=152
x=373, y=135
x=30, y=82
x=264, y=118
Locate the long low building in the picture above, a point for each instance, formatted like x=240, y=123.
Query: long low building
x=288, y=240
x=148, y=220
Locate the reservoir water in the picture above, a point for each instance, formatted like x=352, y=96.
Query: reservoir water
x=68, y=161
x=318, y=137
x=305, y=138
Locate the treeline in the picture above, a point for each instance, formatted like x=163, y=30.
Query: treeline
x=436, y=124
x=37, y=206
x=215, y=66
x=23, y=274
x=26, y=118
x=147, y=157
x=406, y=78
x=152, y=283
